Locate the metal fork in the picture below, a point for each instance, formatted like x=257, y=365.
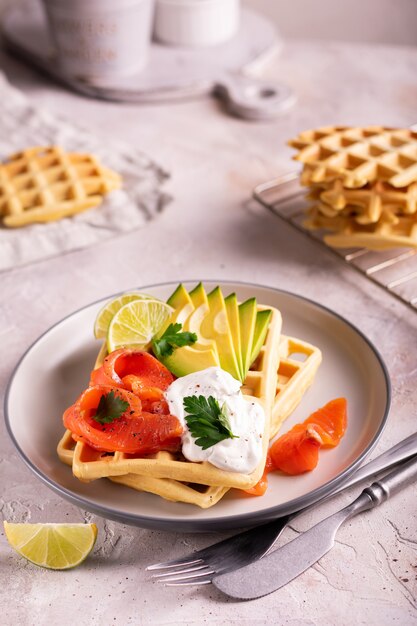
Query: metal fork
x=244, y=548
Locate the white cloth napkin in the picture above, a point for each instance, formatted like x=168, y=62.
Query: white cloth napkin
x=140, y=199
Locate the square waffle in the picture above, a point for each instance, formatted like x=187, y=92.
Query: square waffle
x=294, y=376
x=357, y=155
x=42, y=184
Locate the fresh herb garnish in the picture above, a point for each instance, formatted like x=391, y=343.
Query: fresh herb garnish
x=109, y=408
x=207, y=422
x=171, y=339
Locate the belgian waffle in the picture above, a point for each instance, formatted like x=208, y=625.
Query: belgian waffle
x=42, y=184
x=347, y=233
x=357, y=156
x=297, y=367
x=368, y=204
x=200, y=495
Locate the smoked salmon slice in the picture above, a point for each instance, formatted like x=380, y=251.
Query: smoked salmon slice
x=134, y=432
x=297, y=451
x=123, y=367
x=145, y=425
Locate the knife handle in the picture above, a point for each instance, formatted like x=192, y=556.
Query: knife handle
x=400, y=452
x=393, y=482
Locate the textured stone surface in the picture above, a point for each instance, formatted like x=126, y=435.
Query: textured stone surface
x=212, y=230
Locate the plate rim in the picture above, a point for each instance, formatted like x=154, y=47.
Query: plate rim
x=242, y=520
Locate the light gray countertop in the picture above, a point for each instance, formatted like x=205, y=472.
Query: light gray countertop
x=213, y=230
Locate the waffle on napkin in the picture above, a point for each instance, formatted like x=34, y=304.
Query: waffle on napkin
x=42, y=184
x=292, y=379
x=363, y=184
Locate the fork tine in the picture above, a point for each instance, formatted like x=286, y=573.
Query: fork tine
x=188, y=583
x=185, y=578
x=181, y=571
x=174, y=563
x=216, y=553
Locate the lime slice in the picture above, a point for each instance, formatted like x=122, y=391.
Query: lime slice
x=136, y=323
x=106, y=314
x=57, y=546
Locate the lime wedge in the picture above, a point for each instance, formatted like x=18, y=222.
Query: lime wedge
x=136, y=323
x=56, y=546
x=105, y=315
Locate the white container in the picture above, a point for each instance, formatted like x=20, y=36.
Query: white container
x=101, y=38
x=196, y=23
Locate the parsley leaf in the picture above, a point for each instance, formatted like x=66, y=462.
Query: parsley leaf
x=207, y=422
x=109, y=408
x=171, y=339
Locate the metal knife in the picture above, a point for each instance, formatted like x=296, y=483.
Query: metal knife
x=280, y=567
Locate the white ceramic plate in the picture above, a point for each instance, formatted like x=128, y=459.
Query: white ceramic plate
x=56, y=368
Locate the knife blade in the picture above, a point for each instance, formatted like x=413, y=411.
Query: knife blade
x=280, y=567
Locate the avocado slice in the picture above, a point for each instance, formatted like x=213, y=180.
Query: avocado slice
x=261, y=328
x=215, y=325
x=232, y=310
x=188, y=359
x=182, y=303
x=199, y=300
x=247, y=319
x=198, y=296
x=196, y=357
x=179, y=298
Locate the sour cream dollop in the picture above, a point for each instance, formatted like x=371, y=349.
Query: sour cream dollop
x=241, y=454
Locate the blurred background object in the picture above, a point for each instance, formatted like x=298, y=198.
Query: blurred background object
x=100, y=37
x=196, y=22
x=374, y=21
x=199, y=46
x=94, y=42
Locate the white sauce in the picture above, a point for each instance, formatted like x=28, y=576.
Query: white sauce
x=247, y=419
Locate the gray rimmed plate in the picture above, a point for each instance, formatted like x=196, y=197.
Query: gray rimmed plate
x=56, y=368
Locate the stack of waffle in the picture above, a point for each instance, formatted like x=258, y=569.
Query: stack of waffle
x=362, y=184
x=42, y=184
x=277, y=379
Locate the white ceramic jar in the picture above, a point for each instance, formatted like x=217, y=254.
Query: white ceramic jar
x=101, y=38
x=196, y=23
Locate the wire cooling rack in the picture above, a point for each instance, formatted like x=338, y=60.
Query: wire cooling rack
x=394, y=270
